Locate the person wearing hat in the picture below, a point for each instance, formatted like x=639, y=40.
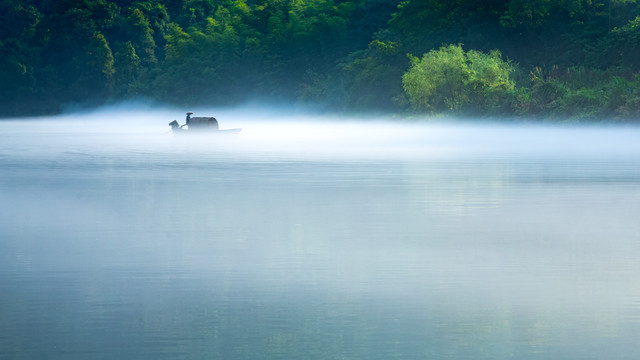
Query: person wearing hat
x=188, y=117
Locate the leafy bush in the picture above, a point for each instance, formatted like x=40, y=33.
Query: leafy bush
x=450, y=79
x=584, y=103
x=579, y=93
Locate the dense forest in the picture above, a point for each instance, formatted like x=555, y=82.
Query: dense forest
x=564, y=59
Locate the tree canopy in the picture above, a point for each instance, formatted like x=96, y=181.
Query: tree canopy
x=514, y=57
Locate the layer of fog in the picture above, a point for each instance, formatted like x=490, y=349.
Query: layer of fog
x=272, y=133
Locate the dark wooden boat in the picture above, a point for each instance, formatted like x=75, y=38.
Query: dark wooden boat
x=201, y=125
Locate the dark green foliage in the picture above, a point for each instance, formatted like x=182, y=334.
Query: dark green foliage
x=580, y=93
x=621, y=48
x=373, y=78
x=343, y=54
x=20, y=55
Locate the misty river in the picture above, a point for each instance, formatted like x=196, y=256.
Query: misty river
x=310, y=237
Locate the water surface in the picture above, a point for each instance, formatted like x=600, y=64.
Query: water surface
x=316, y=238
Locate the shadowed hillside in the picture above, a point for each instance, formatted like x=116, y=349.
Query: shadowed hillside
x=516, y=58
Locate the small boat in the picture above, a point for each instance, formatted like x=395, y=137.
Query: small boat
x=201, y=125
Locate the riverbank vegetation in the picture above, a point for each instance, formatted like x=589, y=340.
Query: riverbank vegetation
x=566, y=59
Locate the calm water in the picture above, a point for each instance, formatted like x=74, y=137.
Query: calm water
x=319, y=239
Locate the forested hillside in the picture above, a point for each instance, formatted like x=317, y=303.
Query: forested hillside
x=511, y=58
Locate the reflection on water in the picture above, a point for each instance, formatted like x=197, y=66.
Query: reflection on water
x=317, y=239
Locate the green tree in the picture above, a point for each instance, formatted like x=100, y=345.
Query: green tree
x=158, y=19
x=621, y=48
x=127, y=70
x=422, y=25
x=77, y=52
x=449, y=79
x=140, y=35
x=19, y=55
x=373, y=78
x=98, y=70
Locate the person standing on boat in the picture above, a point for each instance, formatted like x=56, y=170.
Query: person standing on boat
x=188, y=117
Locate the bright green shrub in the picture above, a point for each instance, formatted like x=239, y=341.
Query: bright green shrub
x=448, y=79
